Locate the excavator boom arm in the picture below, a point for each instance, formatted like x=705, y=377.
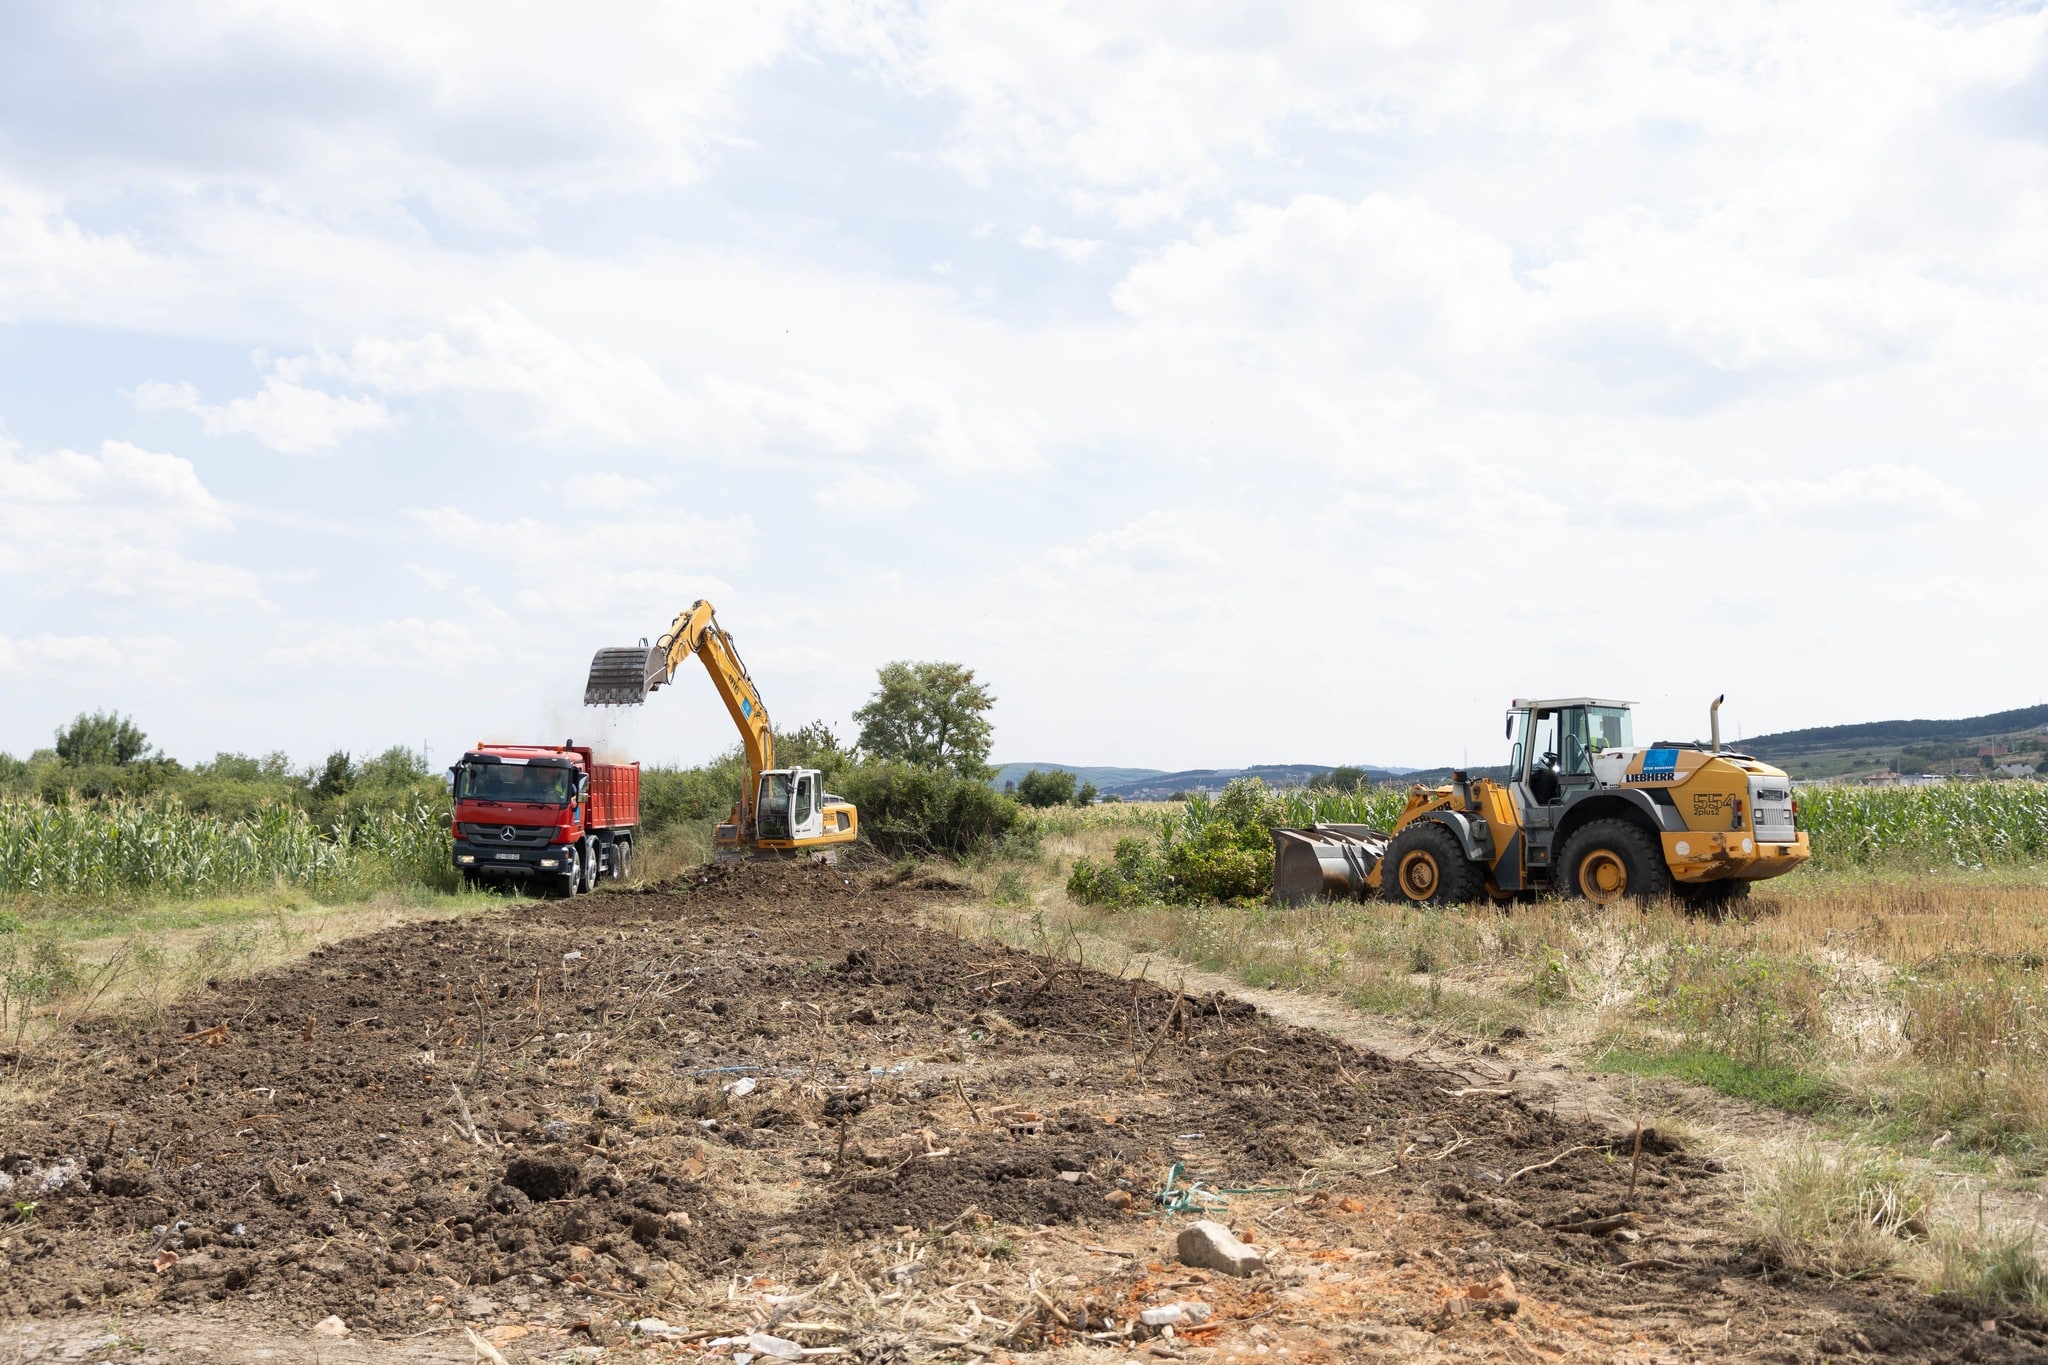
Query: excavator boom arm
x=624, y=677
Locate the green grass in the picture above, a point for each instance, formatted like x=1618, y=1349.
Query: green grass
x=1776, y=1085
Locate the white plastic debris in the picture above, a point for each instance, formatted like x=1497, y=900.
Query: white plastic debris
x=655, y=1327
x=744, y=1086
x=330, y=1326
x=1185, y=1314
x=780, y=1348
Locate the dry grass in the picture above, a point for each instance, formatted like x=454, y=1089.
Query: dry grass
x=1908, y=1009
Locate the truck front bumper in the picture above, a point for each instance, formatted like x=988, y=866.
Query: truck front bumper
x=486, y=861
x=1713, y=856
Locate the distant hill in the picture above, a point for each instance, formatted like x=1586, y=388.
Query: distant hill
x=1158, y=786
x=1910, y=745
x=1103, y=778
x=1787, y=743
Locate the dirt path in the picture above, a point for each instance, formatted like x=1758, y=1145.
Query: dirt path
x=765, y=1100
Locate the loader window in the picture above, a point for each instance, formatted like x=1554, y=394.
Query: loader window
x=803, y=802
x=513, y=782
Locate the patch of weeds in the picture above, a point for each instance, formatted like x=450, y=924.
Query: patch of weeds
x=1010, y=890
x=1844, y=1216
x=1777, y=1085
x=1996, y=1267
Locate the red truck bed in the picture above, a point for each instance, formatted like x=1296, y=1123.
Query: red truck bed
x=614, y=795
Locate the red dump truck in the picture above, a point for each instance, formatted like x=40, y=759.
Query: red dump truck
x=550, y=814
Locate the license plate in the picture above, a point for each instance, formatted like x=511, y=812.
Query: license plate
x=506, y=857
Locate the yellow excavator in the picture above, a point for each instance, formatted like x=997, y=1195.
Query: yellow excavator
x=782, y=812
x=1583, y=811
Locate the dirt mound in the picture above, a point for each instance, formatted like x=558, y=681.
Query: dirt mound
x=588, y=1100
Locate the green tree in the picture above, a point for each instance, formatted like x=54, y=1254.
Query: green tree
x=929, y=715
x=1043, y=787
x=337, y=775
x=1086, y=796
x=1345, y=779
x=101, y=738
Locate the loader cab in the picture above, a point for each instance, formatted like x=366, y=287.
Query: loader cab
x=1555, y=743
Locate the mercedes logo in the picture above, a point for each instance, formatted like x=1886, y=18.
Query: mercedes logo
x=508, y=834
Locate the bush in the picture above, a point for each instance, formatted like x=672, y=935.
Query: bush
x=1042, y=787
x=1219, y=850
x=908, y=809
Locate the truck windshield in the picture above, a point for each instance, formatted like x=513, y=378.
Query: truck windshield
x=513, y=782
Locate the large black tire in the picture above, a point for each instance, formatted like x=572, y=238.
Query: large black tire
x=622, y=859
x=1724, y=897
x=1425, y=865
x=591, y=863
x=1609, y=861
x=569, y=881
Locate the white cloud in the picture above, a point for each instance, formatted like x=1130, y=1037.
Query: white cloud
x=80, y=658
x=611, y=492
x=115, y=523
x=387, y=646
x=285, y=416
x=1076, y=249
x=860, y=492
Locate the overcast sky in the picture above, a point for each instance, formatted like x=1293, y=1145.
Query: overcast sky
x=1225, y=383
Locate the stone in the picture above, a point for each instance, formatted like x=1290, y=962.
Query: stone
x=1118, y=1199
x=1211, y=1246
x=330, y=1326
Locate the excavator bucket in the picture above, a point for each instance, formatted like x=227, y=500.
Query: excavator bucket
x=624, y=677
x=1325, y=862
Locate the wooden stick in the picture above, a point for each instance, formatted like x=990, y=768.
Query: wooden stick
x=1543, y=1165
x=1635, y=1165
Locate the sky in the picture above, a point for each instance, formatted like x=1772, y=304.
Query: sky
x=1226, y=384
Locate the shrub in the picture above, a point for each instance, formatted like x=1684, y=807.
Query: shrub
x=1043, y=787
x=909, y=809
x=1219, y=850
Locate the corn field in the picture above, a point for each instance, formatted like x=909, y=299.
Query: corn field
x=1964, y=824
x=119, y=849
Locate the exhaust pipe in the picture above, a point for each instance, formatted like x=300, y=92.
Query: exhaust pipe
x=1714, y=720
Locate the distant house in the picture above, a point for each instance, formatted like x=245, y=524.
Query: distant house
x=1992, y=751
x=2016, y=769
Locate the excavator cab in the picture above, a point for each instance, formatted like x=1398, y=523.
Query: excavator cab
x=791, y=804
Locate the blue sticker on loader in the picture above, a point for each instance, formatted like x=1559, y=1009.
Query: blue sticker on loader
x=746, y=707
x=1658, y=766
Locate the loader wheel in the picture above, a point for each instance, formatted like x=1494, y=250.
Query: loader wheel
x=1427, y=866
x=1610, y=861
x=1713, y=898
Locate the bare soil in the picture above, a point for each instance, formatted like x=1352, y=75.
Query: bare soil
x=764, y=1098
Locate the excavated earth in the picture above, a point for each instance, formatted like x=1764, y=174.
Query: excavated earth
x=765, y=1098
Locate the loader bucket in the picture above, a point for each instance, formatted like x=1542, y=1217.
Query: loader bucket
x=1325, y=862
x=624, y=677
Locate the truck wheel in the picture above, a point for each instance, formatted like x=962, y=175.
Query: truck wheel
x=1427, y=866
x=590, y=862
x=570, y=881
x=622, y=859
x=1610, y=861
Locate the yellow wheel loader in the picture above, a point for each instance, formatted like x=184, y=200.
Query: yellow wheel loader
x=782, y=812
x=1583, y=812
